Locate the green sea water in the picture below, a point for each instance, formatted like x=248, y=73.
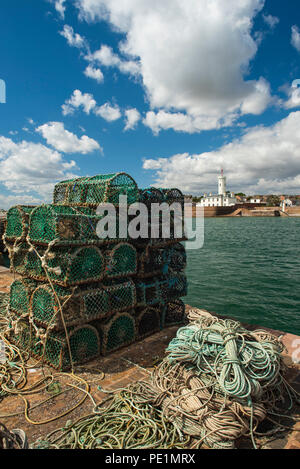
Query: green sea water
x=249, y=269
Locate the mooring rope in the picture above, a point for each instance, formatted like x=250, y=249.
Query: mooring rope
x=129, y=421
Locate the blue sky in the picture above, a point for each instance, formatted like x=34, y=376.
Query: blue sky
x=170, y=92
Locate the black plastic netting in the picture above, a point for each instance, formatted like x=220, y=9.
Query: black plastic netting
x=162, y=289
x=159, y=261
x=174, y=313
x=148, y=322
x=158, y=196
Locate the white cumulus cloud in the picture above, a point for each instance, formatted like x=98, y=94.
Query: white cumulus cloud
x=271, y=20
x=132, y=118
x=94, y=73
x=28, y=168
x=263, y=160
x=62, y=140
x=193, y=57
x=294, y=96
x=106, y=57
x=73, y=39
x=295, y=37
x=60, y=7
x=78, y=100
x=108, y=112
x=87, y=102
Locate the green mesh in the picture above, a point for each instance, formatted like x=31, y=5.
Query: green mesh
x=91, y=275
x=92, y=191
x=17, y=254
x=148, y=322
x=82, y=305
x=22, y=335
x=121, y=261
x=116, y=333
x=17, y=222
x=84, y=344
x=20, y=294
x=46, y=311
x=66, y=266
x=65, y=224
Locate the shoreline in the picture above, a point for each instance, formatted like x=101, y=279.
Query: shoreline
x=242, y=211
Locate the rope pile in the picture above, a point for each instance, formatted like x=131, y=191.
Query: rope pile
x=129, y=421
x=219, y=380
x=217, y=383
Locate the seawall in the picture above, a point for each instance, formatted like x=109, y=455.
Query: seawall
x=245, y=210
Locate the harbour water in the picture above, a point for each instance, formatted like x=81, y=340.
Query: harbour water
x=249, y=269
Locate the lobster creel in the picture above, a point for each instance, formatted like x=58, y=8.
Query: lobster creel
x=81, y=304
x=51, y=347
x=117, y=332
x=92, y=191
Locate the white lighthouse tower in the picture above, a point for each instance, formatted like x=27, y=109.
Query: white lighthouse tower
x=222, y=199
x=222, y=184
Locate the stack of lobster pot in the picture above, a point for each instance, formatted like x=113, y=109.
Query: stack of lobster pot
x=76, y=295
x=161, y=281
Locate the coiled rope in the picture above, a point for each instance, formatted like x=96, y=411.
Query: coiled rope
x=130, y=421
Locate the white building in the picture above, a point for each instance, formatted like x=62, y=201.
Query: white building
x=222, y=199
x=255, y=201
x=286, y=203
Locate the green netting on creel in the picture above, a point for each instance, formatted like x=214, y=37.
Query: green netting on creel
x=20, y=294
x=116, y=333
x=84, y=344
x=82, y=305
x=109, y=299
x=148, y=322
x=17, y=222
x=67, y=266
x=121, y=261
x=17, y=254
x=45, y=310
x=21, y=335
x=67, y=225
x=162, y=289
x=92, y=191
x=174, y=313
